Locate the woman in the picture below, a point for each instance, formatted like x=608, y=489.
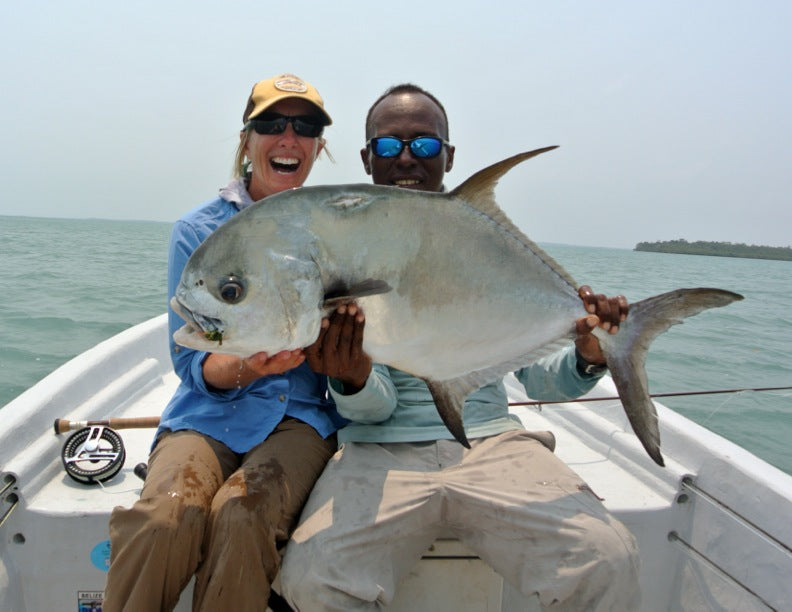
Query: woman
x=242, y=441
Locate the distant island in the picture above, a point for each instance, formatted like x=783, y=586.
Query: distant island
x=717, y=249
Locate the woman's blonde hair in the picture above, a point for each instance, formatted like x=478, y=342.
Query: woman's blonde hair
x=242, y=166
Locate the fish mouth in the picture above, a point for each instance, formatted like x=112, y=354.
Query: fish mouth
x=197, y=323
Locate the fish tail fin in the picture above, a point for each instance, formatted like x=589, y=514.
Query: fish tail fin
x=449, y=398
x=625, y=352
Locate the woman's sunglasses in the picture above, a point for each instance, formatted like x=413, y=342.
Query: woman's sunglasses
x=273, y=123
x=423, y=147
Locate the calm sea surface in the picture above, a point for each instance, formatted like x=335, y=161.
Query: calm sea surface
x=67, y=284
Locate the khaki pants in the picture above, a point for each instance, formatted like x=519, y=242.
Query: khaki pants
x=205, y=508
x=378, y=507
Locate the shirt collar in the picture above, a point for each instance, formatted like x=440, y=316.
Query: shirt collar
x=237, y=193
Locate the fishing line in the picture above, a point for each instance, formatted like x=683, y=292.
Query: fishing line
x=740, y=392
x=107, y=492
x=674, y=394
x=718, y=408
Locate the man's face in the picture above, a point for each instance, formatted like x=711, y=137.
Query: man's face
x=407, y=116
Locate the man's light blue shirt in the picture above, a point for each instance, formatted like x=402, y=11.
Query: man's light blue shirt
x=395, y=406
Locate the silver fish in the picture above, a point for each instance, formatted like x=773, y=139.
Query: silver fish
x=454, y=293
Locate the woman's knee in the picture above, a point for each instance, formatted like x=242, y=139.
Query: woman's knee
x=163, y=518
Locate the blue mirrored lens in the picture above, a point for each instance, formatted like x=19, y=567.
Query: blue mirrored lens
x=422, y=147
x=425, y=147
x=387, y=146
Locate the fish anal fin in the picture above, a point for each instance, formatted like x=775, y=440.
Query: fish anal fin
x=343, y=293
x=449, y=398
x=449, y=395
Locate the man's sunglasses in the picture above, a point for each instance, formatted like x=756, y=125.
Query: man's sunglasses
x=423, y=147
x=273, y=123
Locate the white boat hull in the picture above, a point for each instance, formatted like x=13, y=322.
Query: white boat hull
x=713, y=527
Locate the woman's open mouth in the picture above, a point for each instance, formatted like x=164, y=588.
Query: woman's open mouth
x=285, y=165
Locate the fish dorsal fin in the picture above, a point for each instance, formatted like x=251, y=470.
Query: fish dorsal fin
x=479, y=189
x=479, y=192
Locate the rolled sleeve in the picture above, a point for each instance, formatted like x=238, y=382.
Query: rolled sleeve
x=556, y=377
x=374, y=403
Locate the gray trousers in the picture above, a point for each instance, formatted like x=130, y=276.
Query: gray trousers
x=378, y=507
x=208, y=511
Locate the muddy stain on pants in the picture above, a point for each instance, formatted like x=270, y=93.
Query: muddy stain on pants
x=208, y=511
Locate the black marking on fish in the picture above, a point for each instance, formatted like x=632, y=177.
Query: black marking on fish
x=340, y=292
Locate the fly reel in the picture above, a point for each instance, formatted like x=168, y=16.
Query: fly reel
x=93, y=454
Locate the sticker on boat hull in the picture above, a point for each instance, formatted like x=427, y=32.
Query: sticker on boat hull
x=89, y=601
x=100, y=555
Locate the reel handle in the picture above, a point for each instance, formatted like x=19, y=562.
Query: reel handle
x=141, y=471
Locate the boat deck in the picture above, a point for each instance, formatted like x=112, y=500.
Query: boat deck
x=707, y=524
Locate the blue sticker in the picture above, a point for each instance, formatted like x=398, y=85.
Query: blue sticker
x=100, y=555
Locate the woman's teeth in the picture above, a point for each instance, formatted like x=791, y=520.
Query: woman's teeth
x=285, y=164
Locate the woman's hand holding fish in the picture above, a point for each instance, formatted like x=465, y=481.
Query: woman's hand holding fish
x=608, y=313
x=338, y=351
x=231, y=372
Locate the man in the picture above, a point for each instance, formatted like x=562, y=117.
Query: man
x=399, y=479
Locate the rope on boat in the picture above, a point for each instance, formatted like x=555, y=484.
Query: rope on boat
x=675, y=394
x=12, y=499
x=10, y=482
x=690, y=487
x=690, y=550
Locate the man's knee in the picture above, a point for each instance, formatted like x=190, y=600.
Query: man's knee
x=308, y=586
x=617, y=571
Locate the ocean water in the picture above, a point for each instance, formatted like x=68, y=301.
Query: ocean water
x=68, y=284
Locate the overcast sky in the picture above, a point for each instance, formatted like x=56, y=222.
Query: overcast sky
x=673, y=117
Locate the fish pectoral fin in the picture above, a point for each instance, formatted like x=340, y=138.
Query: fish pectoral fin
x=449, y=398
x=343, y=293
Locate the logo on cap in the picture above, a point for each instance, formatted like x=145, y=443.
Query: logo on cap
x=291, y=84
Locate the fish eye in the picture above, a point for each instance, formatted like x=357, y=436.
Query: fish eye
x=231, y=289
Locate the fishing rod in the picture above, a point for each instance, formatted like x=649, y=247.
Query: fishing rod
x=675, y=394
x=95, y=452
x=64, y=425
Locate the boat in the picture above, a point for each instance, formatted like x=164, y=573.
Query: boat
x=713, y=525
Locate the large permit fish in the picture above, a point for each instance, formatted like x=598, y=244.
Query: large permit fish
x=454, y=293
